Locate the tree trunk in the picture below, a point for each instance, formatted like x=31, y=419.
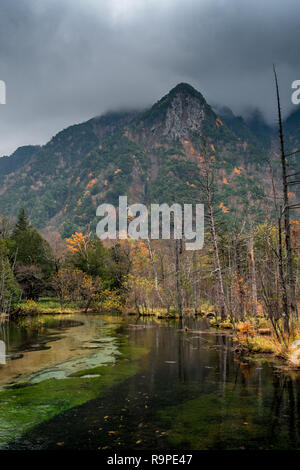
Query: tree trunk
x=155, y=273
x=253, y=272
x=178, y=287
x=287, y=229
x=218, y=273
x=286, y=321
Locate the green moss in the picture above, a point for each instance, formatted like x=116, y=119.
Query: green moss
x=27, y=405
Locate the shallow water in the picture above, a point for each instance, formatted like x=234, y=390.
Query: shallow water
x=107, y=382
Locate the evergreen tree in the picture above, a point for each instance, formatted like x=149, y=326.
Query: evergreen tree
x=9, y=291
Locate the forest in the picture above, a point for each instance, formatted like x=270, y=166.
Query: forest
x=245, y=279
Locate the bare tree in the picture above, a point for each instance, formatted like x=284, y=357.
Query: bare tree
x=286, y=210
x=207, y=183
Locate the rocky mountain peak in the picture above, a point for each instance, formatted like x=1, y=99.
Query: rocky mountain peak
x=178, y=113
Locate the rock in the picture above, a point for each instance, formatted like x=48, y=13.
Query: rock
x=294, y=354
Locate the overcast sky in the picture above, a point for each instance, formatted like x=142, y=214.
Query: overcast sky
x=65, y=61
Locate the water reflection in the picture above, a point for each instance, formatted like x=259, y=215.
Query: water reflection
x=37, y=347
x=190, y=392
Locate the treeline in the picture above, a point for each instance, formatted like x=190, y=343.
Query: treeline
x=164, y=275
x=83, y=272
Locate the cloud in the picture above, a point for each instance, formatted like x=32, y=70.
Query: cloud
x=66, y=61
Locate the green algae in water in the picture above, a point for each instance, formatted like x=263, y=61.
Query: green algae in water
x=28, y=405
x=232, y=421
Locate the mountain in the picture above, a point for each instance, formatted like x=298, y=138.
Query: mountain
x=152, y=156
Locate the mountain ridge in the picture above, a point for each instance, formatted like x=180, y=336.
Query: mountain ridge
x=151, y=155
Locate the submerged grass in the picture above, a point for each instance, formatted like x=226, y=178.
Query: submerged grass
x=26, y=405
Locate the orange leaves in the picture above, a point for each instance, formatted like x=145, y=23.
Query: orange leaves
x=117, y=171
x=190, y=184
x=246, y=330
x=200, y=158
x=245, y=145
x=77, y=242
x=91, y=183
x=105, y=183
x=223, y=207
x=225, y=181
x=213, y=147
x=291, y=195
x=219, y=122
x=192, y=150
x=239, y=170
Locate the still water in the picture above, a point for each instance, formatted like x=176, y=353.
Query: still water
x=110, y=382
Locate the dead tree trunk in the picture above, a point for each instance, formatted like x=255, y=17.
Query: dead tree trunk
x=155, y=273
x=291, y=280
x=217, y=266
x=286, y=321
x=177, y=274
x=253, y=272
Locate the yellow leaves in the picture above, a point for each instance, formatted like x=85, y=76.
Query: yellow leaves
x=223, y=207
x=225, y=181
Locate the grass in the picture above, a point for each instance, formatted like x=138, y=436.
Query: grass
x=45, y=305
x=259, y=344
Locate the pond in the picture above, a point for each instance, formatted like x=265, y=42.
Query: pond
x=113, y=382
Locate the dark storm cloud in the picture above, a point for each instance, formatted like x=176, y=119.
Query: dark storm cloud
x=66, y=61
